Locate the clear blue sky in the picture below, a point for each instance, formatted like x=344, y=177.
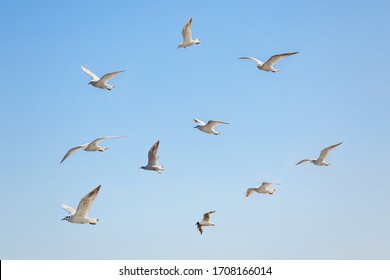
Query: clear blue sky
x=336, y=89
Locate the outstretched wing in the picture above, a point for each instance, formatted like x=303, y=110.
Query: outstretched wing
x=212, y=124
x=92, y=75
x=325, y=151
x=249, y=191
x=100, y=139
x=152, y=155
x=71, y=151
x=186, y=32
x=200, y=229
x=199, y=122
x=206, y=216
x=251, y=58
x=275, y=58
x=302, y=161
x=109, y=76
x=69, y=209
x=264, y=186
x=86, y=202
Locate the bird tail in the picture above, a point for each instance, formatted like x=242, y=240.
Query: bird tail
x=93, y=221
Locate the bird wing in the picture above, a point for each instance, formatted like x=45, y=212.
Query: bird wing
x=264, y=186
x=249, y=191
x=275, y=58
x=100, y=139
x=206, y=216
x=86, y=202
x=92, y=75
x=252, y=58
x=152, y=155
x=186, y=32
x=71, y=151
x=212, y=124
x=69, y=209
x=325, y=151
x=200, y=229
x=109, y=76
x=199, y=122
x=302, y=161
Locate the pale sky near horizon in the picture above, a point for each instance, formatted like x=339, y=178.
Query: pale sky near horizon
x=335, y=90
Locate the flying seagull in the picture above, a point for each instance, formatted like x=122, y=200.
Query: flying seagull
x=268, y=66
x=90, y=147
x=264, y=188
x=320, y=161
x=209, y=127
x=79, y=216
x=205, y=222
x=152, y=159
x=187, y=36
x=101, y=83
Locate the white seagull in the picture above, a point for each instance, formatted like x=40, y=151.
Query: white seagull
x=209, y=127
x=205, y=222
x=187, y=36
x=264, y=188
x=268, y=66
x=101, y=83
x=320, y=161
x=152, y=159
x=90, y=147
x=79, y=216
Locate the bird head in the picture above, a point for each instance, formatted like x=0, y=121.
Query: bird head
x=67, y=218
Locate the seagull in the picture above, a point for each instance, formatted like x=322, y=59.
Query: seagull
x=205, y=222
x=79, y=216
x=152, y=160
x=262, y=189
x=90, y=147
x=187, y=36
x=320, y=161
x=209, y=127
x=268, y=66
x=101, y=83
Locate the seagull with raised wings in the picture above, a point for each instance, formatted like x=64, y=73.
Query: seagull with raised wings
x=209, y=127
x=264, y=188
x=187, y=36
x=152, y=159
x=90, y=147
x=101, y=83
x=80, y=216
x=205, y=222
x=320, y=161
x=268, y=65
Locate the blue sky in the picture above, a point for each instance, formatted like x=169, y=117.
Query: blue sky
x=336, y=89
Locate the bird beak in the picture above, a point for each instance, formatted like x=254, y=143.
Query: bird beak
x=63, y=219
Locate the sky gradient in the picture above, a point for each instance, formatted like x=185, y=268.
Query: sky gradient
x=335, y=90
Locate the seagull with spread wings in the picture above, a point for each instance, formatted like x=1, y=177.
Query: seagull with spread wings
x=205, y=222
x=152, y=159
x=264, y=188
x=90, y=147
x=268, y=65
x=320, y=161
x=187, y=36
x=80, y=216
x=209, y=127
x=101, y=83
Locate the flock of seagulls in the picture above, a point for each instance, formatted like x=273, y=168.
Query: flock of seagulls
x=80, y=216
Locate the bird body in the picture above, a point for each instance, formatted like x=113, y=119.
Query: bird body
x=90, y=147
x=205, y=222
x=209, y=127
x=80, y=216
x=152, y=159
x=187, y=36
x=320, y=161
x=264, y=189
x=268, y=65
x=101, y=83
